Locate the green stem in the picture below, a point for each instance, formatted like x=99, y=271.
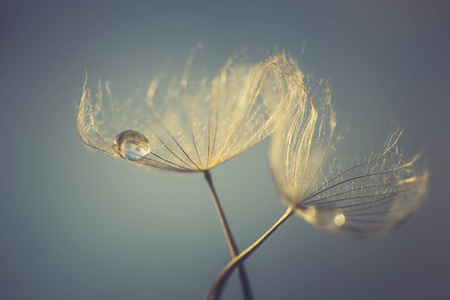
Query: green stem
x=246, y=289
x=219, y=284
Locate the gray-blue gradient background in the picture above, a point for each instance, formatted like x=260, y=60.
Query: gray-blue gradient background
x=77, y=224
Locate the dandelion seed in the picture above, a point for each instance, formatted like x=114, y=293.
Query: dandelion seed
x=201, y=123
x=198, y=124
x=363, y=199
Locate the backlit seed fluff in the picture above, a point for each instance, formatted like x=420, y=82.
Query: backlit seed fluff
x=365, y=198
x=189, y=125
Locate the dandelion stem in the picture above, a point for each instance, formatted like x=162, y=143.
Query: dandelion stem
x=246, y=289
x=219, y=284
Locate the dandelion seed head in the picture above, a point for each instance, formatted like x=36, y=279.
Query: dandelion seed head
x=352, y=197
x=194, y=123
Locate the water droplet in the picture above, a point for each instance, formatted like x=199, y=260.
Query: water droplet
x=339, y=220
x=131, y=145
x=328, y=218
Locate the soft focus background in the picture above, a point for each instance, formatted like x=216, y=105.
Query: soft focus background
x=77, y=224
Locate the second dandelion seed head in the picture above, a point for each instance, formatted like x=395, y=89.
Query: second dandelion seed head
x=356, y=198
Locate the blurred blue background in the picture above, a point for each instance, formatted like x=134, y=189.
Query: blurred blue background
x=77, y=224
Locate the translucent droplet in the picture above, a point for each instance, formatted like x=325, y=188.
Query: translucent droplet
x=131, y=145
x=328, y=218
x=339, y=220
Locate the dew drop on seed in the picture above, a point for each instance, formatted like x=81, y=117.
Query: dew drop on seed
x=131, y=145
x=339, y=219
x=325, y=217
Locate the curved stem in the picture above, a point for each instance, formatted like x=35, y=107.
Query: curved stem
x=246, y=289
x=217, y=287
